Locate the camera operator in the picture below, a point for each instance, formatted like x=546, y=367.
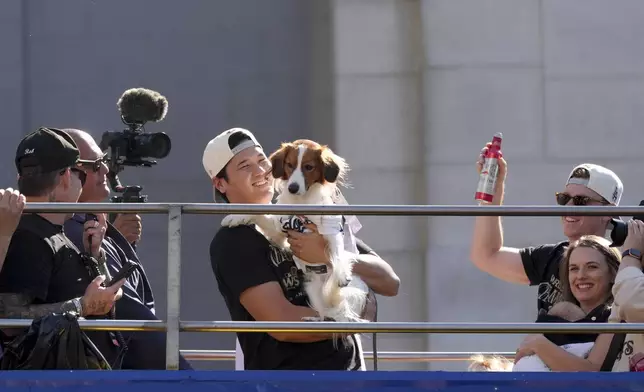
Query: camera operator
x=12, y=203
x=146, y=350
x=587, y=184
x=44, y=272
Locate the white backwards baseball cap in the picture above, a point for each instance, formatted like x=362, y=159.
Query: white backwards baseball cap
x=601, y=180
x=220, y=150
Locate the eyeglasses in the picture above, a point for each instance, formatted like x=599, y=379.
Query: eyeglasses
x=82, y=176
x=95, y=165
x=579, y=200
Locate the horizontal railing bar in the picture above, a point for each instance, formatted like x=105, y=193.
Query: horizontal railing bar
x=402, y=327
x=382, y=210
x=389, y=356
x=99, y=207
x=98, y=325
x=412, y=210
x=320, y=327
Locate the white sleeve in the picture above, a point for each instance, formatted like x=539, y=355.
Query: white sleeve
x=628, y=294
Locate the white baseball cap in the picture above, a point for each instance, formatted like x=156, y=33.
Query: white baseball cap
x=220, y=150
x=601, y=180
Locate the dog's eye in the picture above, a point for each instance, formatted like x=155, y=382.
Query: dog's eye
x=308, y=167
x=289, y=165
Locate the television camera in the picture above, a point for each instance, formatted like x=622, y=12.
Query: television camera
x=133, y=146
x=619, y=230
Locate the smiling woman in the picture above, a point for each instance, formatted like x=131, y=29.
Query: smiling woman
x=587, y=274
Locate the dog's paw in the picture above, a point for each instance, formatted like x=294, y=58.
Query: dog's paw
x=344, y=282
x=343, y=279
x=342, y=274
x=236, y=220
x=312, y=319
x=356, y=319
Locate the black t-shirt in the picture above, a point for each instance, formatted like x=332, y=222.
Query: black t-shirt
x=242, y=258
x=541, y=264
x=32, y=268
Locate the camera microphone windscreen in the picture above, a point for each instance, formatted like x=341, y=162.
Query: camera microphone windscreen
x=140, y=105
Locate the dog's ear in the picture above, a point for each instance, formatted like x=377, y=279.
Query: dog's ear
x=277, y=160
x=333, y=165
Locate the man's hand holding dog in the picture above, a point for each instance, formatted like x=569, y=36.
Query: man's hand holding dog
x=309, y=247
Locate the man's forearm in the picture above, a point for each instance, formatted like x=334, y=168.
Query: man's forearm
x=21, y=306
x=377, y=274
x=4, y=245
x=298, y=313
x=488, y=234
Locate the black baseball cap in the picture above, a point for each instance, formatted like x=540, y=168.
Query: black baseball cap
x=45, y=151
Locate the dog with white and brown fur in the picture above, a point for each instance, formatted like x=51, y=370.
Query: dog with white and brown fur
x=306, y=172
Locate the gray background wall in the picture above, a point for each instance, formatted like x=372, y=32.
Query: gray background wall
x=421, y=85
x=407, y=90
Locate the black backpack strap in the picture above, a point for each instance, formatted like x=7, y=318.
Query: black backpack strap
x=374, y=341
x=613, y=351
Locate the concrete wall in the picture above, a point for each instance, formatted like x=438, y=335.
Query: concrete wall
x=563, y=81
x=379, y=129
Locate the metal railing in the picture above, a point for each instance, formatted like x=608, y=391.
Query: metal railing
x=387, y=356
x=173, y=325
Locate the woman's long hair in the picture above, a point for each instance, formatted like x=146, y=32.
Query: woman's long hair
x=612, y=256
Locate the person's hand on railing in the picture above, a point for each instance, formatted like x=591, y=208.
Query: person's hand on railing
x=98, y=300
x=12, y=203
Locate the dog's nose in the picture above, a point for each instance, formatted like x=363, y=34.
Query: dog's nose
x=293, y=187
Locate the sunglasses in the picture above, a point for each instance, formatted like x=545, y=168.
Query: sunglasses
x=96, y=165
x=82, y=176
x=563, y=199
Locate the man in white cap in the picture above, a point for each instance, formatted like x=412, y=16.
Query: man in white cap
x=587, y=184
x=260, y=282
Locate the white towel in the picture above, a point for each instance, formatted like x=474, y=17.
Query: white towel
x=533, y=363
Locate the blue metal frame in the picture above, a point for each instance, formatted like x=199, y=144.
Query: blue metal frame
x=306, y=381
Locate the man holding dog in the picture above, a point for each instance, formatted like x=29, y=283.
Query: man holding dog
x=260, y=282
